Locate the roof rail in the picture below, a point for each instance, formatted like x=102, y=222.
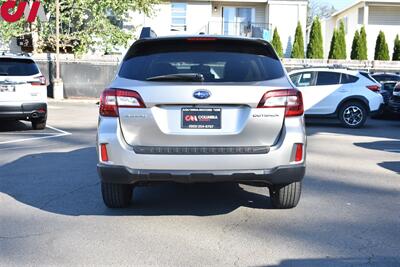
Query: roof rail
x=8, y=53
x=147, y=32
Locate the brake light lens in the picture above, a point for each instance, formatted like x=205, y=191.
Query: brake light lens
x=290, y=99
x=112, y=99
x=41, y=81
x=374, y=88
x=103, y=152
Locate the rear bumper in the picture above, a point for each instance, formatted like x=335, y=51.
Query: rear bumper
x=379, y=111
x=26, y=111
x=124, y=175
x=394, y=106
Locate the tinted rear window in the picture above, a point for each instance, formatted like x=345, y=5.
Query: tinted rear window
x=328, y=78
x=17, y=67
x=217, y=60
x=368, y=76
x=347, y=78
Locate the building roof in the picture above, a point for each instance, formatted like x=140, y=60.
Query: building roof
x=389, y=2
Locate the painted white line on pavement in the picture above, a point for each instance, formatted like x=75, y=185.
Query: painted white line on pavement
x=18, y=133
x=61, y=134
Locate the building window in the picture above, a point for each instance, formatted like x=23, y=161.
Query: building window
x=178, y=16
x=361, y=15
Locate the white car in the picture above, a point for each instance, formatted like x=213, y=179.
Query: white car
x=23, y=90
x=351, y=96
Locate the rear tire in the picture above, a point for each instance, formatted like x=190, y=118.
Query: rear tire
x=353, y=115
x=38, y=125
x=285, y=196
x=116, y=196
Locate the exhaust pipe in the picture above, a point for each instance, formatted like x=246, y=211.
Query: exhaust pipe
x=34, y=115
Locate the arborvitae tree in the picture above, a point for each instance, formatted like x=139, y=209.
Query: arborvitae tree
x=363, y=48
x=277, y=44
x=381, y=48
x=315, y=47
x=332, y=53
x=342, y=41
x=396, y=52
x=298, y=45
x=356, y=46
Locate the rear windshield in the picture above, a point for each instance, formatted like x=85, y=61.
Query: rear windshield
x=368, y=76
x=17, y=67
x=216, y=60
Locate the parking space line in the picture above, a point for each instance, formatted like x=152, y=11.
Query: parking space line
x=61, y=134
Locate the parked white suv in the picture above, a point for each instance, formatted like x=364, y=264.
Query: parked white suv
x=351, y=96
x=23, y=91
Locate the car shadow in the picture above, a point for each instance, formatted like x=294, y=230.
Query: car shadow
x=67, y=183
x=14, y=126
x=373, y=128
x=387, y=146
x=340, y=262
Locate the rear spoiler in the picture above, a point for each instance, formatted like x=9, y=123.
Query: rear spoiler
x=147, y=32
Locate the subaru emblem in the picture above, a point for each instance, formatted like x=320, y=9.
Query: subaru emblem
x=202, y=94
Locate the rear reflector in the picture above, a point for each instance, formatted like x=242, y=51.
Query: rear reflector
x=374, y=88
x=112, y=99
x=299, y=153
x=103, y=152
x=290, y=99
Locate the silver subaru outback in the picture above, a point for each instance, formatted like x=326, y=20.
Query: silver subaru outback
x=201, y=109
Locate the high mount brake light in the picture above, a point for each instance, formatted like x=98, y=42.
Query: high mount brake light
x=290, y=99
x=202, y=39
x=112, y=99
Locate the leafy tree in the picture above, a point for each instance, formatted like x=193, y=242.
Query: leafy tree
x=83, y=24
x=363, y=47
x=355, y=48
x=381, y=48
x=315, y=46
x=298, y=45
x=396, y=52
x=277, y=44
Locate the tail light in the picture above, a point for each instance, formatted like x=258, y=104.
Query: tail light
x=290, y=99
x=40, y=82
x=374, y=88
x=112, y=99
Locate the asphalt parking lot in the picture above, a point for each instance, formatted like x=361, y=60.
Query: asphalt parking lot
x=51, y=211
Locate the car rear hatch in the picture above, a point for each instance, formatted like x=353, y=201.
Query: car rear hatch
x=216, y=98
x=20, y=81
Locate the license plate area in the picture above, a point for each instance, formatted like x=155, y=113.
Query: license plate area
x=7, y=88
x=201, y=118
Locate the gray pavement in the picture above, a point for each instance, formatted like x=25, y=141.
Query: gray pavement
x=51, y=212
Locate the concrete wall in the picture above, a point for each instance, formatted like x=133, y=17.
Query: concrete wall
x=85, y=77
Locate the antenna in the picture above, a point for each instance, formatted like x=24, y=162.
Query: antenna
x=147, y=32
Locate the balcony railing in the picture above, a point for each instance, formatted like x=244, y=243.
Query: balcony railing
x=244, y=29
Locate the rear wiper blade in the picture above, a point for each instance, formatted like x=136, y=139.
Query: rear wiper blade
x=192, y=77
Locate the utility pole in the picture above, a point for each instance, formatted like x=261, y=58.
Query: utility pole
x=58, y=87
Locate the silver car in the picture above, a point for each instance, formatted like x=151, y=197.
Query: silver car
x=201, y=109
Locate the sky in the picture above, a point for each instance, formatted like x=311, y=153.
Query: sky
x=338, y=4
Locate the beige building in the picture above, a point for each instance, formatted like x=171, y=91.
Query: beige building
x=376, y=15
